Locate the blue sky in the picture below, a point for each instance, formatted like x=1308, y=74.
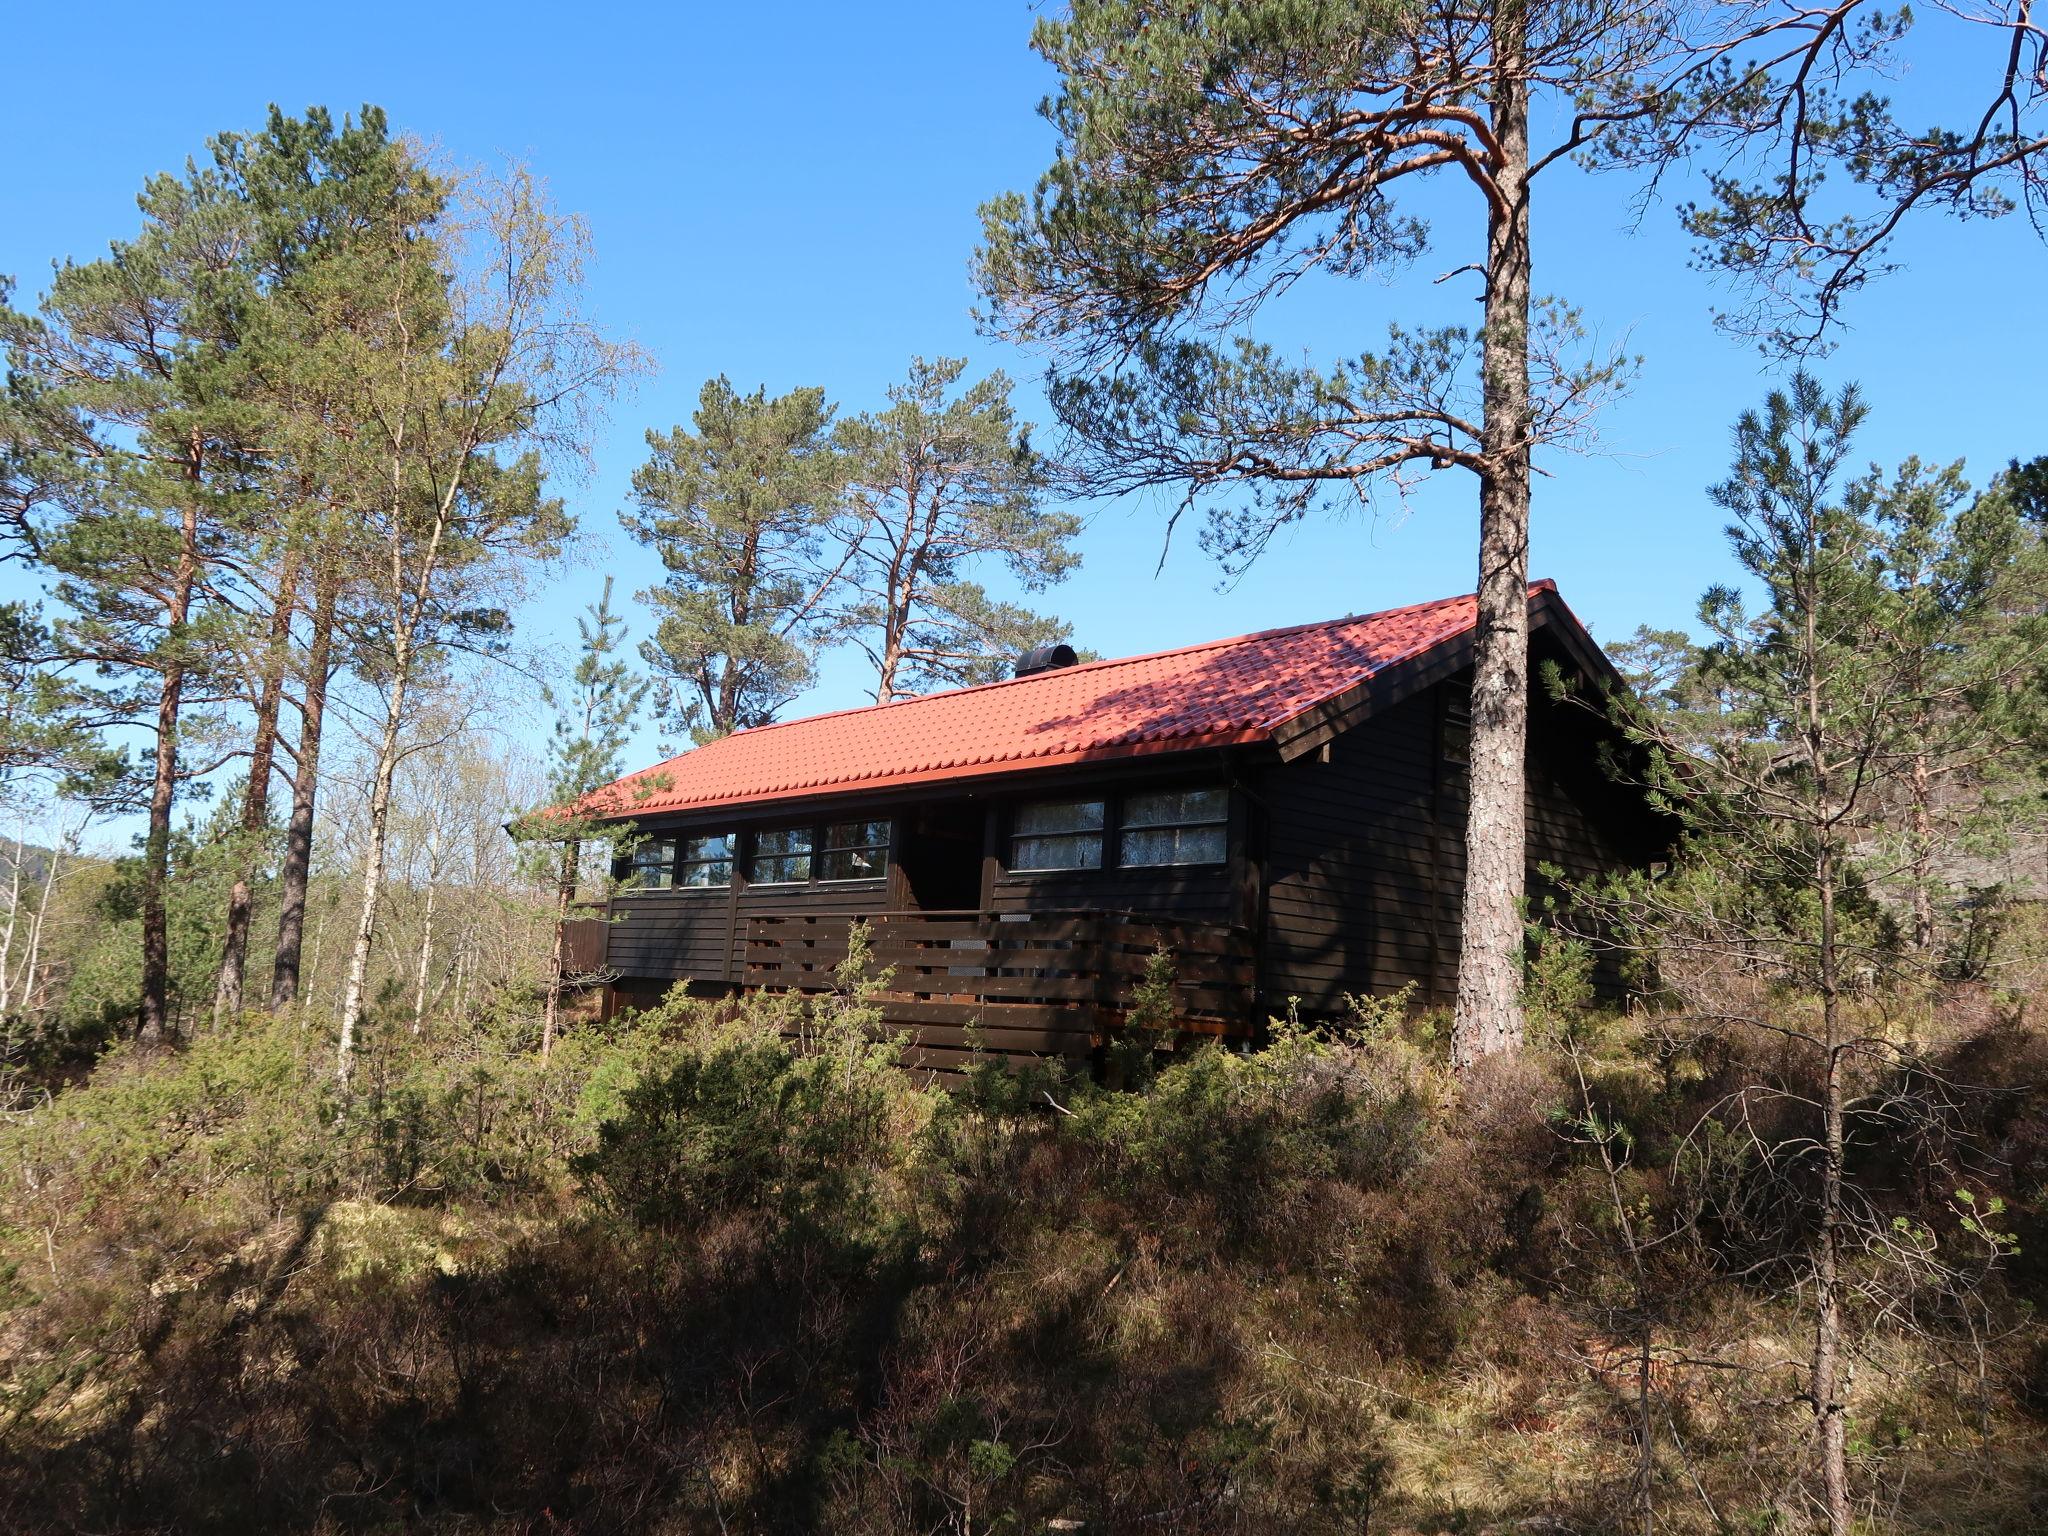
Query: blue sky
x=787, y=194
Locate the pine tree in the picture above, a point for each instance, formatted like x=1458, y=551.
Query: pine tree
x=593, y=724
x=123, y=383
x=943, y=483
x=1211, y=157
x=313, y=192
x=737, y=510
x=1795, y=756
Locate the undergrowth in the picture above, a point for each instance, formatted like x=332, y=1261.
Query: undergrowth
x=684, y=1276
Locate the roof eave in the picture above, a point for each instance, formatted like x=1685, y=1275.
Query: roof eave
x=1429, y=665
x=985, y=772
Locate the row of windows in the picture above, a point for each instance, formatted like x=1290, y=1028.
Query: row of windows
x=1183, y=826
x=848, y=850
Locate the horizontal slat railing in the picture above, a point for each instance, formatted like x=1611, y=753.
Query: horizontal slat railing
x=1039, y=983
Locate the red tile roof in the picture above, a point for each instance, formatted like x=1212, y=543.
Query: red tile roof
x=1217, y=694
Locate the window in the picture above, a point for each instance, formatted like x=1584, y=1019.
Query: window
x=781, y=857
x=1058, y=834
x=855, y=850
x=1177, y=826
x=652, y=865
x=1457, y=724
x=705, y=861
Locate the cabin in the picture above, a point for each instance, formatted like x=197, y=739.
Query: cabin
x=1284, y=812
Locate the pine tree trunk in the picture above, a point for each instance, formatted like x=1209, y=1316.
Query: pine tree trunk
x=373, y=869
x=1829, y=1411
x=1488, y=1016
x=227, y=995
x=1923, y=855
x=296, y=868
x=565, y=893
x=154, y=1024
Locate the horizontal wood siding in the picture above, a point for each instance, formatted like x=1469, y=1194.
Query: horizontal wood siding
x=855, y=898
x=1365, y=854
x=1198, y=893
x=1350, y=863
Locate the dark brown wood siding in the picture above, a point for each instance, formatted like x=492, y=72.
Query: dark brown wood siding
x=673, y=935
x=1199, y=893
x=1352, y=863
x=1365, y=852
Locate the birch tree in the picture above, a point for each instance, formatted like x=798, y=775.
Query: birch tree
x=482, y=374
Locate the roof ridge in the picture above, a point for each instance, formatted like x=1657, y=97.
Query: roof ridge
x=755, y=731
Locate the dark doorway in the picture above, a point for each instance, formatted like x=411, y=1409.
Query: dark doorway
x=942, y=856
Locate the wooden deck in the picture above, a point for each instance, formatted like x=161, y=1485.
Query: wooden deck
x=1008, y=983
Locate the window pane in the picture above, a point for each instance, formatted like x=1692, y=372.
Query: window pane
x=707, y=872
x=792, y=869
x=1175, y=807
x=1075, y=851
x=857, y=834
x=855, y=850
x=782, y=856
x=717, y=847
x=1173, y=845
x=1059, y=816
x=783, y=840
x=854, y=864
x=652, y=864
x=1150, y=847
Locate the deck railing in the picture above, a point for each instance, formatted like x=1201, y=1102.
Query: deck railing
x=1043, y=983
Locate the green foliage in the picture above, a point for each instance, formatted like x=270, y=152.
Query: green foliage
x=1246, y=1135
x=736, y=510
x=740, y=1123
x=943, y=482
x=1321, y=1288
x=1862, y=718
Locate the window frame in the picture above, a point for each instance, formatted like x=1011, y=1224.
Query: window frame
x=1103, y=833
x=685, y=861
x=808, y=853
x=1220, y=821
x=822, y=849
x=636, y=869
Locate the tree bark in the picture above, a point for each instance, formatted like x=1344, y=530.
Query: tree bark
x=154, y=1024
x=1488, y=1016
x=296, y=868
x=7, y=933
x=426, y=960
x=565, y=893
x=373, y=866
x=227, y=995
x=1829, y=1411
x=1923, y=855
x=28, y=991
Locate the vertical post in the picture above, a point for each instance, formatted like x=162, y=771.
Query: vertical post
x=991, y=855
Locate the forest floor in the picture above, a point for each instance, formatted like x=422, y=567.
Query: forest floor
x=678, y=1278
